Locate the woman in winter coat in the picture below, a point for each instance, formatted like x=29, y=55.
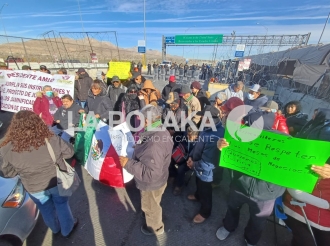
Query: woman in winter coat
x=46, y=104
x=295, y=119
x=24, y=152
x=317, y=207
x=150, y=93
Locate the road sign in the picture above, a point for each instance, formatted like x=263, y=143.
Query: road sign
x=141, y=43
x=94, y=58
x=240, y=47
x=170, y=40
x=239, y=53
x=199, y=39
x=141, y=49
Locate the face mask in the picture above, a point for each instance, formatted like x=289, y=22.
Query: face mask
x=273, y=110
x=49, y=93
x=250, y=96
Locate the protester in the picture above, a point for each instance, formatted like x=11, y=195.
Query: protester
x=100, y=75
x=149, y=69
x=228, y=107
x=130, y=102
x=61, y=117
x=295, y=119
x=220, y=99
x=24, y=153
x=197, y=91
x=115, y=92
x=317, y=204
x=98, y=102
x=255, y=98
x=149, y=165
x=172, y=86
x=26, y=67
x=150, y=93
x=174, y=108
x=138, y=80
x=203, y=159
x=191, y=102
x=179, y=167
x=280, y=121
x=258, y=194
x=82, y=86
x=43, y=69
x=62, y=71
x=235, y=90
x=46, y=104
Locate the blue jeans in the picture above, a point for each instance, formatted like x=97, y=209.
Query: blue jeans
x=55, y=210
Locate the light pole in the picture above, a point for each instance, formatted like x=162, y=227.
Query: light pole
x=266, y=34
x=3, y=26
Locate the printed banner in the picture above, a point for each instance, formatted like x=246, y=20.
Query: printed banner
x=19, y=88
x=276, y=158
x=120, y=69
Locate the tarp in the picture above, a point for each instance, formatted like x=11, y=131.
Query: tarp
x=308, y=74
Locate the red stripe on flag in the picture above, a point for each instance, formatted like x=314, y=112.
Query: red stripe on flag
x=111, y=170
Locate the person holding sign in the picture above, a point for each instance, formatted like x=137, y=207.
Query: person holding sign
x=258, y=194
x=149, y=165
x=317, y=207
x=46, y=105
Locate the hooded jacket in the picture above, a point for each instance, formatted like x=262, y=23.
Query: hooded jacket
x=257, y=103
x=100, y=104
x=150, y=93
x=296, y=120
x=250, y=186
x=193, y=105
x=63, y=116
x=82, y=87
x=115, y=94
x=151, y=159
x=206, y=154
x=170, y=87
x=41, y=106
x=317, y=129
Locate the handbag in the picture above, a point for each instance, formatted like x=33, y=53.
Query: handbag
x=179, y=154
x=67, y=182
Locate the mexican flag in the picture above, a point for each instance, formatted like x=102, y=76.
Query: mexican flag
x=102, y=146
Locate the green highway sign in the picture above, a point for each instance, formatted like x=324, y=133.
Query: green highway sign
x=199, y=39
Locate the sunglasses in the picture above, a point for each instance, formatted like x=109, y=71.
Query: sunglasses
x=133, y=91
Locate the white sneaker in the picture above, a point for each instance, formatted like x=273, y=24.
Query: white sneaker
x=222, y=233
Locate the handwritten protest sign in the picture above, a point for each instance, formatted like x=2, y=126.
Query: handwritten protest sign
x=276, y=158
x=19, y=88
x=120, y=69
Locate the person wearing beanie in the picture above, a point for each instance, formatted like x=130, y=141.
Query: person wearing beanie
x=228, y=107
x=82, y=86
x=197, y=91
x=203, y=159
x=172, y=86
x=115, y=92
x=191, y=102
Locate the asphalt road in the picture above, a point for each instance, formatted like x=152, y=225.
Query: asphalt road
x=110, y=216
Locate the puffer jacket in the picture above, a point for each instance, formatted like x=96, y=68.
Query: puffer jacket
x=100, y=104
x=202, y=98
x=250, y=186
x=41, y=106
x=296, y=121
x=150, y=93
x=36, y=168
x=257, y=103
x=280, y=124
x=317, y=129
x=171, y=87
x=115, y=94
x=151, y=159
x=82, y=87
x=206, y=154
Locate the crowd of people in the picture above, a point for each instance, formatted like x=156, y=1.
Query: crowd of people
x=155, y=164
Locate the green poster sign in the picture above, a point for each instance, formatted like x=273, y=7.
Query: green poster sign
x=276, y=158
x=199, y=39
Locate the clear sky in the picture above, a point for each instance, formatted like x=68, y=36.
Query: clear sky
x=32, y=18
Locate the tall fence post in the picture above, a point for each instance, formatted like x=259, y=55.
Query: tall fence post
x=26, y=55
